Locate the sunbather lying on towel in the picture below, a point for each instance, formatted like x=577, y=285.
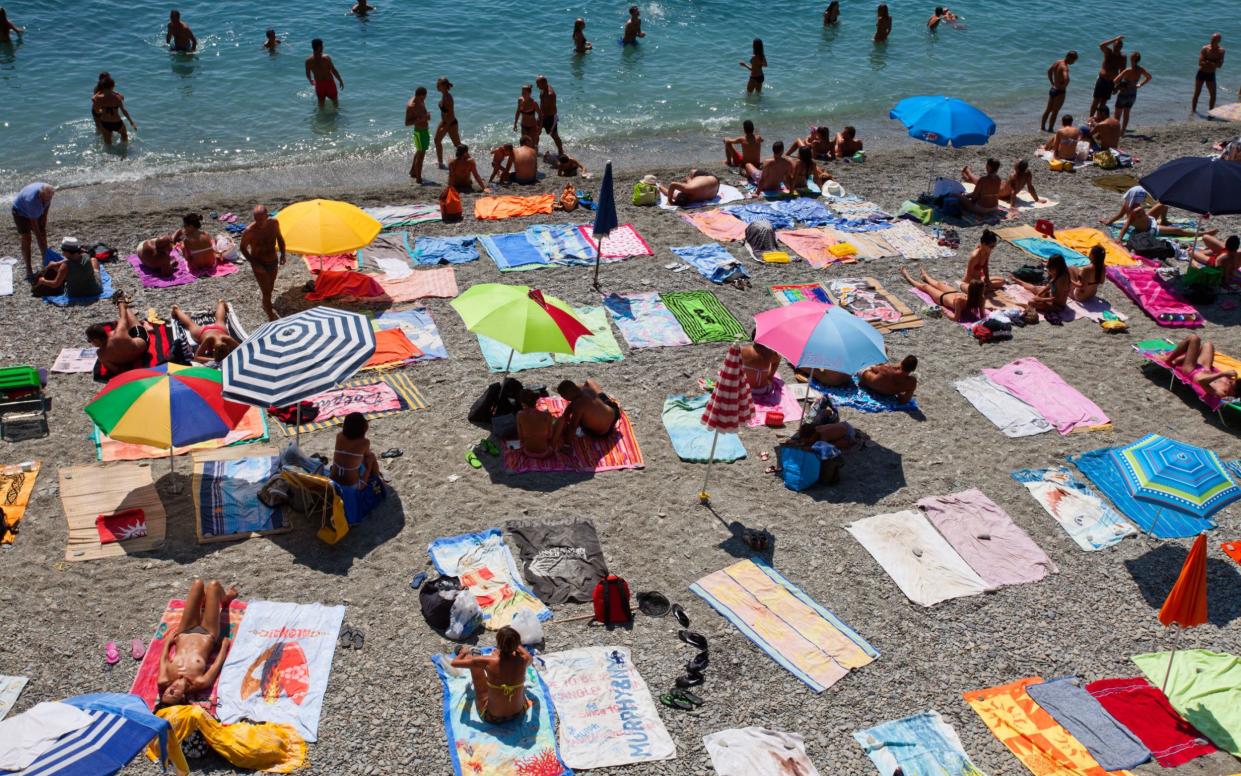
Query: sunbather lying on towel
x=1224, y=255
x=958, y=305
x=1142, y=221
x=156, y=256
x=183, y=669
x=698, y=186
x=590, y=409
x=214, y=341
x=535, y=427
x=759, y=364
x=125, y=346
x=895, y=380
x=499, y=678
x=979, y=265
x=1086, y=280
x=1196, y=359
x=1050, y=298
x=353, y=463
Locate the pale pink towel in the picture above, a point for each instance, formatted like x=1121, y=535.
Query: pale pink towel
x=778, y=399
x=987, y=538
x=1060, y=403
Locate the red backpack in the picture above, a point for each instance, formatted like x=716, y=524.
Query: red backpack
x=611, y=600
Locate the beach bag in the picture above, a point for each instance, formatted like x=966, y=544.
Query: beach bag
x=450, y=205
x=1150, y=246
x=103, y=252
x=224, y=247
x=1106, y=160
x=800, y=468
x=464, y=617
x=1030, y=274
x=497, y=399
x=527, y=625
x=435, y=598
x=568, y=198
x=950, y=206
x=645, y=194
x=611, y=601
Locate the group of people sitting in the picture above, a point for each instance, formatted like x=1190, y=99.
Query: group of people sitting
x=194, y=245
x=590, y=410
x=991, y=192
x=124, y=345
x=1102, y=132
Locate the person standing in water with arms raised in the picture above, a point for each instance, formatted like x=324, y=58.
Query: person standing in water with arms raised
x=1058, y=76
x=1113, y=63
x=1210, y=59
x=262, y=245
x=320, y=71
x=179, y=37
x=418, y=117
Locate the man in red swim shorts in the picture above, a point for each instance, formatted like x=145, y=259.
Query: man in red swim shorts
x=320, y=71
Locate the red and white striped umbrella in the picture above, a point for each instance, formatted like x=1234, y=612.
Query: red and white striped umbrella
x=730, y=405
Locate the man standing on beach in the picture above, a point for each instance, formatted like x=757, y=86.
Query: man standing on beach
x=320, y=71
x=1113, y=63
x=30, y=208
x=262, y=245
x=633, y=28
x=1210, y=59
x=179, y=37
x=1058, y=75
x=418, y=117
x=548, y=111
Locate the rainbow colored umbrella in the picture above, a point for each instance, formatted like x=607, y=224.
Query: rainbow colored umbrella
x=1177, y=475
x=168, y=406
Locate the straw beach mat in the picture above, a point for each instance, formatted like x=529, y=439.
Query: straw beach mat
x=870, y=286
x=227, y=454
x=86, y=492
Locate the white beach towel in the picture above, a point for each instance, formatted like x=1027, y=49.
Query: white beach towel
x=1089, y=521
x=394, y=269
x=606, y=713
x=920, y=561
x=1010, y=415
x=278, y=667
x=10, y=688
x=756, y=751
x=6, y=275
x=726, y=194
x=25, y=736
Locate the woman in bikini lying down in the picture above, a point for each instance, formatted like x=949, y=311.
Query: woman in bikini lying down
x=499, y=677
x=958, y=305
x=1196, y=359
x=214, y=341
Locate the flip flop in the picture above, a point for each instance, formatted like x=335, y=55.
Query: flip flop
x=489, y=446
x=137, y=649
x=418, y=579
x=698, y=663
x=689, y=680
x=680, y=615
x=110, y=653
x=358, y=639
x=676, y=702
x=395, y=452
x=693, y=638
x=686, y=695
x=346, y=637
x=472, y=459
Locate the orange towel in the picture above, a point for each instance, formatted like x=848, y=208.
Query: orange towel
x=351, y=284
x=717, y=224
x=1232, y=550
x=392, y=346
x=509, y=206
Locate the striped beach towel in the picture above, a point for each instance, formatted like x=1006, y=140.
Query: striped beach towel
x=622, y=243
x=619, y=450
x=410, y=397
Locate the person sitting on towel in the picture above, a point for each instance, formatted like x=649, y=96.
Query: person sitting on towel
x=525, y=162
x=958, y=305
x=535, y=427
x=1136, y=196
x=196, y=245
x=353, y=463
x=156, y=256
x=77, y=274
x=698, y=186
x=1020, y=178
x=214, y=341
x=823, y=424
x=183, y=669
x=1196, y=359
x=125, y=346
x=1063, y=144
x=759, y=364
x=1222, y=254
x=896, y=380
x=805, y=171
x=1104, y=130
x=462, y=171
x=847, y=144
x=979, y=265
x=1052, y=297
x=985, y=198
x=774, y=172
x=590, y=410
x=819, y=141
x=499, y=677
x=1086, y=280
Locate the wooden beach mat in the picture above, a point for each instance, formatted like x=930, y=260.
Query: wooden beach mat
x=228, y=454
x=89, y=491
x=863, y=302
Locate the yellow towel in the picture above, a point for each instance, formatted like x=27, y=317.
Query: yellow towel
x=840, y=250
x=16, y=486
x=263, y=746
x=776, y=257
x=1084, y=238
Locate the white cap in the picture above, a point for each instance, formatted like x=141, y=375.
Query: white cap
x=70, y=244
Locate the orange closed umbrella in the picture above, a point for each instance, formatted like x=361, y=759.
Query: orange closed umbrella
x=1186, y=605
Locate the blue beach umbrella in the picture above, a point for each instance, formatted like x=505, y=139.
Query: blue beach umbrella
x=605, y=216
x=1176, y=475
x=944, y=121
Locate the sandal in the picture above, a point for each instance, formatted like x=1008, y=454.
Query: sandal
x=686, y=695
x=358, y=639
x=418, y=579
x=111, y=655
x=346, y=637
x=689, y=680
x=697, y=664
x=395, y=452
x=137, y=650
x=676, y=702
x=489, y=446
x=472, y=459
x=693, y=638
x=680, y=615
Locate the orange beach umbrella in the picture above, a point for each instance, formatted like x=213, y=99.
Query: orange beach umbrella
x=1186, y=605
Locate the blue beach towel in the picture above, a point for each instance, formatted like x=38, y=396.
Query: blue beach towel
x=1090, y=521
x=229, y=497
x=712, y=262
x=561, y=244
x=64, y=300
x=419, y=327
x=804, y=210
x=919, y=744
x=1100, y=469
x=513, y=252
x=760, y=212
x=690, y=439
x=859, y=398
x=443, y=250
x=1044, y=248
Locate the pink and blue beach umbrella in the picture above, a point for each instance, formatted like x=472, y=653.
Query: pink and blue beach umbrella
x=944, y=121
x=813, y=335
x=1173, y=474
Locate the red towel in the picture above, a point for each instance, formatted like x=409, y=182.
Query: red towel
x=351, y=284
x=1141, y=707
x=119, y=526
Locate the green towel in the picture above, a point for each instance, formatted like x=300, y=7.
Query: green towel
x=702, y=316
x=1205, y=688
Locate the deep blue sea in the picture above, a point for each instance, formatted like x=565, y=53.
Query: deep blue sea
x=233, y=105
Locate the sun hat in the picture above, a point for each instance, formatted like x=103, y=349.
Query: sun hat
x=70, y=244
x=653, y=603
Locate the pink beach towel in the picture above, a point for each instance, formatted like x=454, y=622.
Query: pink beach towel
x=588, y=453
x=811, y=245
x=717, y=225
x=145, y=684
x=1060, y=403
x=778, y=399
x=1144, y=287
x=439, y=282
x=987, y=538
x=335, y=262
x=182, y=276
x=366, y=399
x=1091, y=309
x=622, y=243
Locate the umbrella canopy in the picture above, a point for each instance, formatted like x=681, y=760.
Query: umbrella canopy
x=1187, y=603
x=817, y=336
x=730, y=405
x=117, y=732
x=605, y=206
x=520, y=317
x=1174, y=474
x=943, y=121
x=1197, y=184
x=324, y=226
x=168, y=406
x=294, y=358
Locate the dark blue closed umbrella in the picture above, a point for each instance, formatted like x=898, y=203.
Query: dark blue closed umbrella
x=1197, y=184
x=605, y=216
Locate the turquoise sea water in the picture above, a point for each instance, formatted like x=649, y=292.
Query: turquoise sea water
x=234, y=105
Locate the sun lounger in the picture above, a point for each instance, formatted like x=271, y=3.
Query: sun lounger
x=1154, y=351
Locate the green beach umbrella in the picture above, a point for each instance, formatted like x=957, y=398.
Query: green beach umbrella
x=520, y=317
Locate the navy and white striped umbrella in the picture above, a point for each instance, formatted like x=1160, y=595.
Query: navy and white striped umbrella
x=294, y=358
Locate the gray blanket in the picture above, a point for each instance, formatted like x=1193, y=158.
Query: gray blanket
x=561, y=561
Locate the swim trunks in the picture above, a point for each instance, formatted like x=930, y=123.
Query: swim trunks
x=325, y=89
x=1103, y=88
x=178, y=49
x=550, y=123
x=112, y=126
x=422, y=139
x=1126, y=99
x=1205, y=77
x=524, y=181
x=23, y=223
x=1054, y=92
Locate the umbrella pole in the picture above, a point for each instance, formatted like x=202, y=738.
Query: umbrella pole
x=1194, y=248
x=1154, y=523
x=297, y=430
x=172, y=464
x=1163, y=688
x=702, y=495
x=511, y=352
x=598, y=259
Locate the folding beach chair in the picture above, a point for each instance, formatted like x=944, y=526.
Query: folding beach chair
x=1153, y=350
x=21, y=400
